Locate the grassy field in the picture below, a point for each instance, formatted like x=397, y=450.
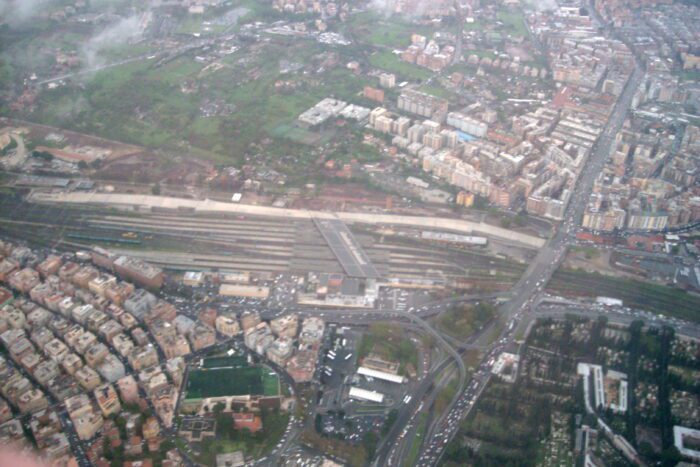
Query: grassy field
x=464, y=320
x=143, y=104
x=588, y=251
x=370, y=28
x=513, y=22
x=635, y=294
x=256, y=446
x=446, y=394
x=167, y=106
x=270, y=383
x=389, y=342
x=437, y=91
x=231, y=382
x=388, y=61
x=690, y=75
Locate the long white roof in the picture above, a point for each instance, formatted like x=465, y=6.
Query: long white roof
x=363, y=394
x=363, y=370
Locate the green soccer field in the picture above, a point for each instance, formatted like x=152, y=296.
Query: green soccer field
x=230, y=376
x=271, y=383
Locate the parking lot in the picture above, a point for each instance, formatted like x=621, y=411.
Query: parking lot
x=402, y=299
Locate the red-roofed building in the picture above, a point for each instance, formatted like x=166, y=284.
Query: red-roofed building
x=247, y=421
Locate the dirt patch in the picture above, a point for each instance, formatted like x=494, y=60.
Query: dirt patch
x=519, y=52
x=344, y=197
x=38, y=134
x=592, y=259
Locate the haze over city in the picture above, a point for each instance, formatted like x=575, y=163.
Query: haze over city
x=349, y=233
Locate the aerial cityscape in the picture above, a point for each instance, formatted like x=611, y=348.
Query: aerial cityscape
x=349, y=233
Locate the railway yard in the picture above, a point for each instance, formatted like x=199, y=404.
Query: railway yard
x=265, y=245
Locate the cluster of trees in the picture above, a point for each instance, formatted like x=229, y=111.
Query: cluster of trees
x=11, y=146
x=463, y=319
x=355, y=456
x=389, y=341
x=116, y=455
x=47, y=156
x=389, y=422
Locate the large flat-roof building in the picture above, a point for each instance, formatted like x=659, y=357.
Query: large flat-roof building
x=365, y=395
x=364, y=371
x=140, y=272
x=423, y=104
x=246, y=291
x=687, y=441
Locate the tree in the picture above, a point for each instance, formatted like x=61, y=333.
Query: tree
x=370, y=442
x=225, y=426
x=121, y=426
x=218, y=408
x=166, y=446
x=107, y=449
x=47, y=156
x=389, y=422
x=645, y=449
x=480, y=202
x=521, y=219
x=155, y=189
x=670, y=457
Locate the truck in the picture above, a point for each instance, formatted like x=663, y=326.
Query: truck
x=347, y=357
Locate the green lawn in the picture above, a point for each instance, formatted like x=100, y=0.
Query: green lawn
x=389, y=342
x=690, y=75
x=256, y=446
x=513, y=22
x=462, y=321
x=231, y=382
x=437, y=91
x=374, y=29
x=388, y=61
x=190, y=24
x=271, y=383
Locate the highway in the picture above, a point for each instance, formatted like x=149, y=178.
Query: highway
x=536, y=277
